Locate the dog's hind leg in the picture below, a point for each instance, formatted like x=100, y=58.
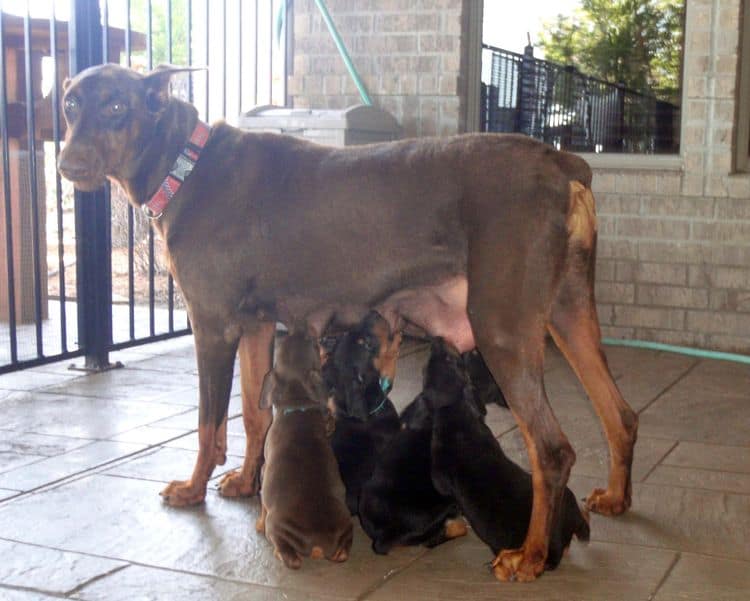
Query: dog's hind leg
x=574, y=327
x=509, y=306
x=256, y=355
x=215, y=358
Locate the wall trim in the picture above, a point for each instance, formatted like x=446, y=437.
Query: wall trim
x=640, y=162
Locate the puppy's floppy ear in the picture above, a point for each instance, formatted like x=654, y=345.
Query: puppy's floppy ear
x=267, y=392
x=157, y=85
x=314, y=386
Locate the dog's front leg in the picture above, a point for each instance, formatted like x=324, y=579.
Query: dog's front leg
x=256, y=355
x=215, y=358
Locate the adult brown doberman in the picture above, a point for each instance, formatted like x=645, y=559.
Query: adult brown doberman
x=486, y=240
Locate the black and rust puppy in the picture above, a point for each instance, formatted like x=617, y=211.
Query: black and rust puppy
x=486, y=390
x=399, y=505
x=359, y=372
x=493, y=493
x=303, y=513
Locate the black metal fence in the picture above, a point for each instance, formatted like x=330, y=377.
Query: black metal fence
x=81, y=274
x=572, y=111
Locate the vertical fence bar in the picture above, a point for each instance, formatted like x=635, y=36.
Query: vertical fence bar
x=131, y=214
x=224, y=60
x=151, y=268
x=6, y=195
x=58, y=182
x=169, y=31
x=239, y=56
x=105, y=30
x=33, y=182
x=208, y=59
x=93, y=235
x=170, y=281
x=270, y=52
x=189, y=38
x=255, y=55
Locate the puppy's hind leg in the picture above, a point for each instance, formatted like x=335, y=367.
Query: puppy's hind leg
x=260, y=524
x=343, y=547
x=287, y=555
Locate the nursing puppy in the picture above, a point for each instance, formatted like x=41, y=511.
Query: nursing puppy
x=486, y=390
x=359, y=372
x=468, y=465
x=303, y=513
x=399, y=505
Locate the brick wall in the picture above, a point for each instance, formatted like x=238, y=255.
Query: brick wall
x=674, y=250
x=408, y=53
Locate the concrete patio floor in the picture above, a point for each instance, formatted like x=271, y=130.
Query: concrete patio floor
x=83, y=457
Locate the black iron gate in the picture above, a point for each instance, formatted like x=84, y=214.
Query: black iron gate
x=82, y=272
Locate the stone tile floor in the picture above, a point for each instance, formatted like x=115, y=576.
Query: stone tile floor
x=83, y=457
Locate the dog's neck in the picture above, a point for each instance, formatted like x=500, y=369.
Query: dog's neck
x=162, y=146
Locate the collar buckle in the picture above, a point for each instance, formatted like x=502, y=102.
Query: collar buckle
x=150, y=214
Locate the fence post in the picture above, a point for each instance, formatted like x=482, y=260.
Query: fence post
x=527, y=92
x=92, y=212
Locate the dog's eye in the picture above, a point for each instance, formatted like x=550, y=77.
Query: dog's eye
x=117, y=108
x=70, y=105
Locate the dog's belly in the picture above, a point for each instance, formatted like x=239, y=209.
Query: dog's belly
x=438, y=310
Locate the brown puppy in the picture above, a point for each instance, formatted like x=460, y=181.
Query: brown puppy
x=303, y=512
x=488, y=241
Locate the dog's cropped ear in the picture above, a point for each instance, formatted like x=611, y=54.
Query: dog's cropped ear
x=157, y=85
x=267, y=391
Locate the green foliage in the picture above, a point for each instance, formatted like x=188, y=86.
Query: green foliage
x=636, y=42
x=159, y=37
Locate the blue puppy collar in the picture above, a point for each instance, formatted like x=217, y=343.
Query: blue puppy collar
x=379, y=408
x=288, y=410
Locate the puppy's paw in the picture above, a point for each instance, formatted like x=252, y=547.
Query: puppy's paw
x=341, y=555
x=454, y=528
x=289, y=558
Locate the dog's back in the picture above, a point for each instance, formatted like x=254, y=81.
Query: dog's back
x=302, y=494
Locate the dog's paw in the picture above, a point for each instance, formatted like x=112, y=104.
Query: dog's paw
x=454, y=528
x=289, y=558
x=260, y=525
x=220, y=456
x=516, y=565
x=606, y=503
x=181, y=493
x=234, y=484
x=341, y=555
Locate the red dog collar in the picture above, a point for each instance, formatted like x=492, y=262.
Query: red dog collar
x=181, y=169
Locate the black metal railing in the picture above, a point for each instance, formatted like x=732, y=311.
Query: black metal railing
x=570, y=110
x=81, y=274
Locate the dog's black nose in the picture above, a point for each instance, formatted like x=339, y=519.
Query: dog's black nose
x=72, y=169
